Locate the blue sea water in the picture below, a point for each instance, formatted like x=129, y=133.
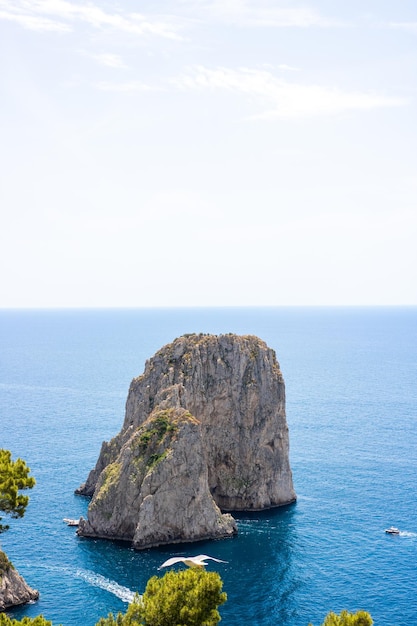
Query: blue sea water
x=350, y=376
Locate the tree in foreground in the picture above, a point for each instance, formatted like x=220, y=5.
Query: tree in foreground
x=14, y=477
x=360, y=618
x=186, y=598
x=26, y=621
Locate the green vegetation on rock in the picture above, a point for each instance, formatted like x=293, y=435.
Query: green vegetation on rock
x=157, y=427
x=111, y=477
x=153, y=435
x=154, y=459
x=5, y=564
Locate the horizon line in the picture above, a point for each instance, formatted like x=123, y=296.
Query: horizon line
x=204, y=306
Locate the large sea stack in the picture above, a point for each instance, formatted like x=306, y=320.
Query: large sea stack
x=205, y=431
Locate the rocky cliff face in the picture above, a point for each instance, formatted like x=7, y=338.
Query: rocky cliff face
x=13, y=589
x=204, y=430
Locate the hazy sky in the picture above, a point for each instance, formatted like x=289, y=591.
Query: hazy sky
x=208, y=152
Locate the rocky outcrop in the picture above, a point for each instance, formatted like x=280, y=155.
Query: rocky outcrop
x=157, y=489
x=13, y=589
x=204, y=430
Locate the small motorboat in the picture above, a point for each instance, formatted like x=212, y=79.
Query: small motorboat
x=392, y=531
x=71, y=522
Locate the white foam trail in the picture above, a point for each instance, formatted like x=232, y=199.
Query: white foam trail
x=97, y=580
x=405, y=533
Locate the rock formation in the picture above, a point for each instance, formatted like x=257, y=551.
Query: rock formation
x=13, y=589
x=204, y=430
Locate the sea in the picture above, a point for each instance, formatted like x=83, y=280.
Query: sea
x=351, y=400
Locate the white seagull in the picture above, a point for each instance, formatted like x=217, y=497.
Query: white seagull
x=191, y=561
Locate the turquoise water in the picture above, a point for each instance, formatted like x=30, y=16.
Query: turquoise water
x=351, y=408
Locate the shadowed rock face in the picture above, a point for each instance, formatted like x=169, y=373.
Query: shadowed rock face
x=204, y=430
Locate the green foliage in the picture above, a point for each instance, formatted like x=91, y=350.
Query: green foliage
x=14, y=476
x=154, y=459
x=361, y=618
x=185, y=598
x=111, y=475
x=26, y=621
x=131, y=618
x=5, y=564
x=157, y=428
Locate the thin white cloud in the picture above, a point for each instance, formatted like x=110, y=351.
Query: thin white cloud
x=256, y=13
x=64, y=15
x=281, y=99
x=288, y=68
x=408, y=26
x=61, y=15
x=110, y=60
x=129, y=86
x=33, y=22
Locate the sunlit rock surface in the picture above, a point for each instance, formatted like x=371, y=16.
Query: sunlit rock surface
x=204, y=430
x=13, y=588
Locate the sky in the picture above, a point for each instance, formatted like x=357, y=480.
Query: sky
x=208, y=153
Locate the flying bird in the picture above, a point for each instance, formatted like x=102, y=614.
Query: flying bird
x=191, y=561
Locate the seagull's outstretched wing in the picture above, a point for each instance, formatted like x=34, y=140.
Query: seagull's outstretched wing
x=172, y=561
x=191, y=561
x=203, y=557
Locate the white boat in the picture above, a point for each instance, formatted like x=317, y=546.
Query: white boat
x=392, y=531
x=71, y=522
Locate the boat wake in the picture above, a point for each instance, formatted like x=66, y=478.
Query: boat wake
x=406, y=533
x=97, y=580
